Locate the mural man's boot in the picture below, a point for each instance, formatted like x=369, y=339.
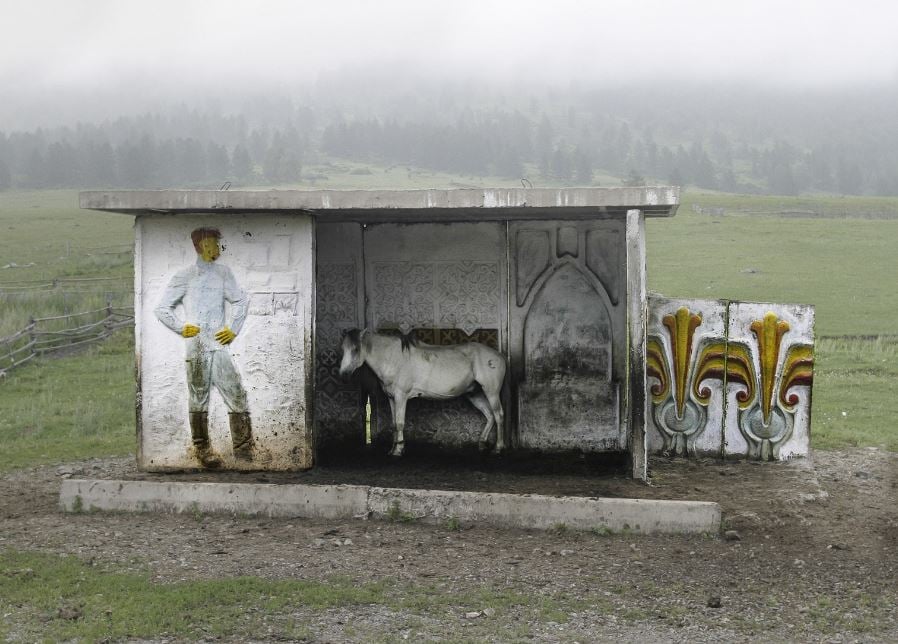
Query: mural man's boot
x=242, y=436
x=199, y=431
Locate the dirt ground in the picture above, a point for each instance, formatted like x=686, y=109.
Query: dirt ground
x=813, y=557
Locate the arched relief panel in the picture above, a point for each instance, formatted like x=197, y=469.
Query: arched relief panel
x=567, y=329
x=567, y=333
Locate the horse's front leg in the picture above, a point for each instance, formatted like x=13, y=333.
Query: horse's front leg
x=398, y=404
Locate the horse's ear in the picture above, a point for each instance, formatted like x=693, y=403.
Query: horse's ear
x=365, y=339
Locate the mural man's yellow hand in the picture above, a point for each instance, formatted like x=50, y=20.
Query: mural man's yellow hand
x=190, y=330
x=225, y=336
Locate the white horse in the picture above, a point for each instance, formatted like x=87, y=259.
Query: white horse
x=410, y=369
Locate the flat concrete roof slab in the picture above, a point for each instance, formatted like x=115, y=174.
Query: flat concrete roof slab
x=398, y=205
x=526, y=511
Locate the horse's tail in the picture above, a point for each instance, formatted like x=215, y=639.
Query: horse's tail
x=511, y=412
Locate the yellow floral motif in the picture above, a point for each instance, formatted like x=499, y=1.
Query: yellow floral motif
x=656, y=367
x=798, y=369
x=681, y=327
x=769, y=333
x=711, y=363
x=732, y=362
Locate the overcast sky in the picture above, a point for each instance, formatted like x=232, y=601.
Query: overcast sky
x=73, y=49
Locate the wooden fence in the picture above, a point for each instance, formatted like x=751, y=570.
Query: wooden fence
x=59, y=333
x=68, y=284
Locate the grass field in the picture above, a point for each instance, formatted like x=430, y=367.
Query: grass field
x=45, y=236
x=64, y=599
x=846, y=267
x=70, y=408
x=82, y=405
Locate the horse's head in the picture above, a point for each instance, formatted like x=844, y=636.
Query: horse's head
x=353, y=352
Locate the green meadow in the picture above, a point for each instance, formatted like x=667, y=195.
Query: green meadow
x=81, y=405
x=846, y=266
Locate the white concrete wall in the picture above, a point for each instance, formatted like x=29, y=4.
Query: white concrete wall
x=800, y=321
x=272, y=259
x=705, y=434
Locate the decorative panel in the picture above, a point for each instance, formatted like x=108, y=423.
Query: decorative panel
x=686, y=409
x=567, y=336
x=567, y=329
x=458, y=294
x=769, y=376
x=730, y=378
x=339, y=411
x=403, y=295
x=467, y=294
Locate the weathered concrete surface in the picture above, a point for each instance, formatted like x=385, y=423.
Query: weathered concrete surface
x=272, y=259
x=702, y=405
x=309, y=501
x=347, y=501
x=637, y=313
x=500, y=203
x=544, y=512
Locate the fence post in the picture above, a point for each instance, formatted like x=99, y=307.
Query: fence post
x=107, y=323
x=32, y=338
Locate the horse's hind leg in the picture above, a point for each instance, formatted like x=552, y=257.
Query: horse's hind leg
x=483, y=405
x=398, y=405
x=495, y=403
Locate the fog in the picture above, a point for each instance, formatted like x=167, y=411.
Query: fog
x=62, y=61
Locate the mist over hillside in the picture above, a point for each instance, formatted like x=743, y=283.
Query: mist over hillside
x=726, y=136
x=761, y=97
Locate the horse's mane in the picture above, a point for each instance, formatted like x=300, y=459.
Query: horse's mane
x=408, y=340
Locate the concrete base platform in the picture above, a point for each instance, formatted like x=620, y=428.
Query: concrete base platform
x=531, y=511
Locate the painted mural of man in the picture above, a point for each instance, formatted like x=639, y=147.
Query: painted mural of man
x=203, y=289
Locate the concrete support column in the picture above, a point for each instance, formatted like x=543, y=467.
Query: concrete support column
x=636, y=325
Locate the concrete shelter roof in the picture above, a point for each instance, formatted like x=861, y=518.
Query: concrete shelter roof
x=463, y=204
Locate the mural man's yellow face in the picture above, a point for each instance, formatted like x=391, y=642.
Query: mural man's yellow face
x=209, y=249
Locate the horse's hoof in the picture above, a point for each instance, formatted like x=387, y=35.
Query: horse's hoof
x=498, y=451
x=396, y=452
x=483, y=445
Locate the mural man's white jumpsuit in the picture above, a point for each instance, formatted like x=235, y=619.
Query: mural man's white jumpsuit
x=203, y=290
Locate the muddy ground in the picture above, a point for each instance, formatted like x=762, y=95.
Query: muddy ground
x=814, y=556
